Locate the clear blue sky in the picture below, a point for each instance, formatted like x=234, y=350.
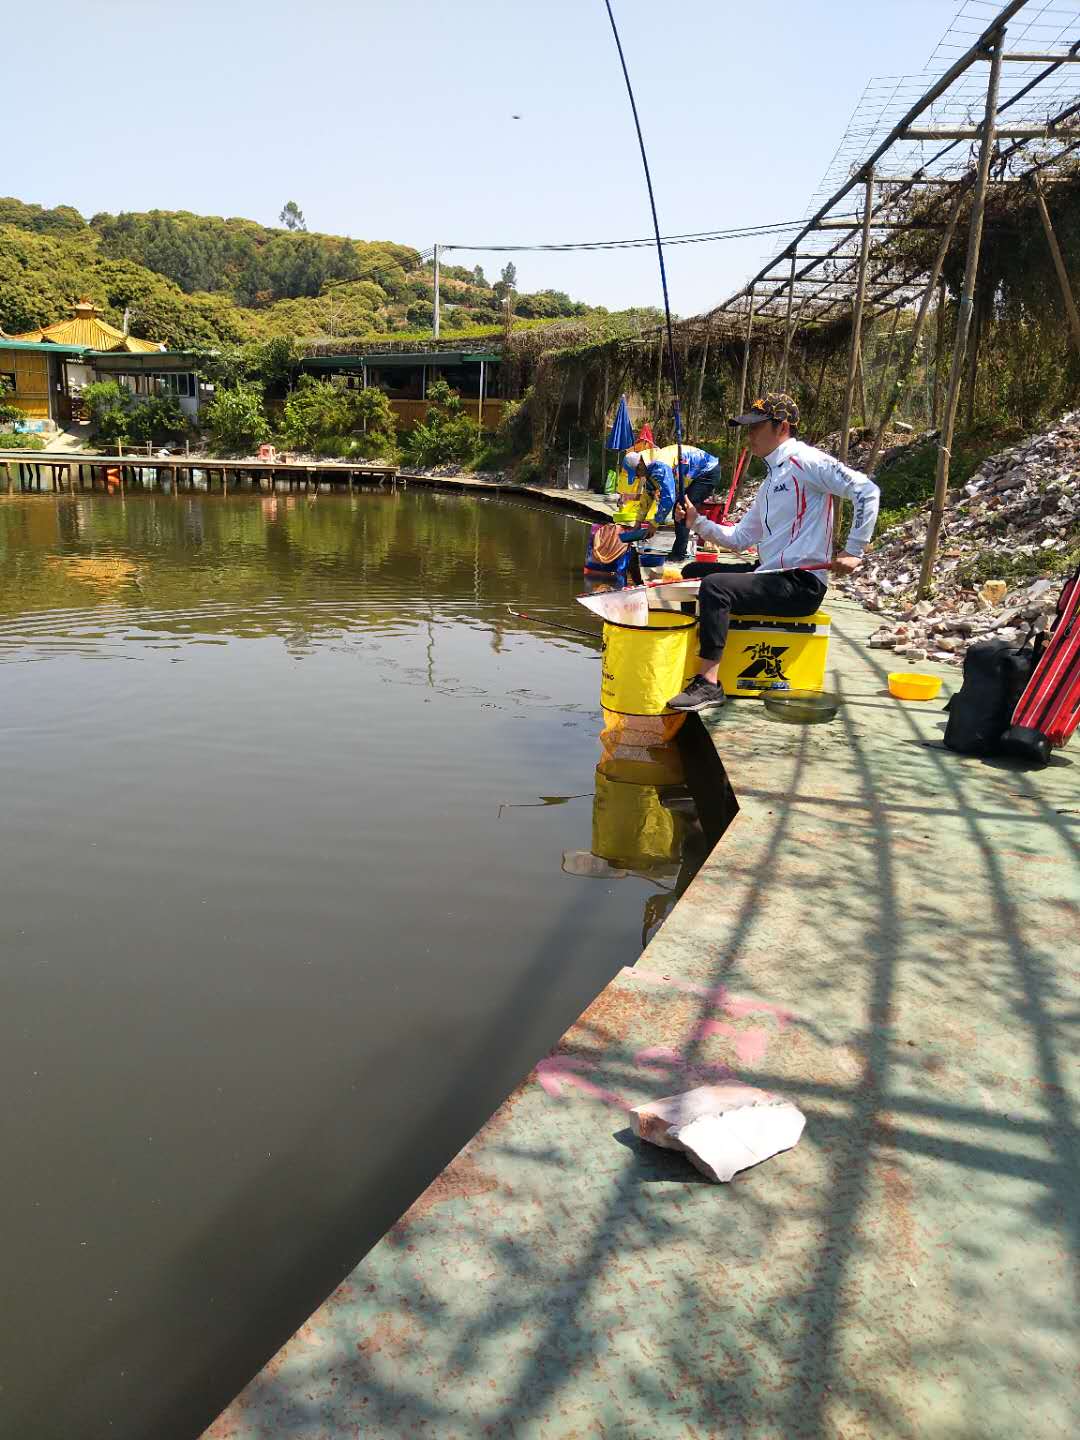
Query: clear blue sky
x=391, y=119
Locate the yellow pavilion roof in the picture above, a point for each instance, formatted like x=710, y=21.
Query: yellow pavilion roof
x=86, y=327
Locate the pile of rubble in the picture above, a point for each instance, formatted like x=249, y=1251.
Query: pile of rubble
x=1024, y=502
x=894, y=443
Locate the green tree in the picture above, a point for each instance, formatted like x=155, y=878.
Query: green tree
x=316, y=411
x=292, y=217
x=325, y=417
x=159, y=417
x=9, y=414
x=273, y=362
x=376, y=422
x=109, y=405
x=235, y=417
x=447, y=435
x=506, y=281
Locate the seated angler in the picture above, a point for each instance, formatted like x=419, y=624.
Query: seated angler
x=791, y=522
x=610, y=553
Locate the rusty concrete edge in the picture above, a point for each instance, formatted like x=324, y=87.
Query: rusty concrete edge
x=584, y=504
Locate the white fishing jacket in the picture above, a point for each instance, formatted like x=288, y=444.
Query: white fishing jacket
x=790, y=520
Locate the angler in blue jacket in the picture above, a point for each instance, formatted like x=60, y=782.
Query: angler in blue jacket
x=701, y=475
x=660, y=485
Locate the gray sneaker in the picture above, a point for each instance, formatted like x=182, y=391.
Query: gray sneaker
x=700, y=694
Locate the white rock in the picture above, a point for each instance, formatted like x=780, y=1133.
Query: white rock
x=721, y=1128
x=722, y=1145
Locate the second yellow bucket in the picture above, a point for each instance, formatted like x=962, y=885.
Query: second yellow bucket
x=643, y=666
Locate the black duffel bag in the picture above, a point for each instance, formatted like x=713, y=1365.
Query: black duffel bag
x=995, y=674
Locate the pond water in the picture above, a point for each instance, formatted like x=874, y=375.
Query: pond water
x=292, y=812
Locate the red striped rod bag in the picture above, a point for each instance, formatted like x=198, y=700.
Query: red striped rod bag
x=1048, y=711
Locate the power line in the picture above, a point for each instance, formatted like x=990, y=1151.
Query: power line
x=702, y=237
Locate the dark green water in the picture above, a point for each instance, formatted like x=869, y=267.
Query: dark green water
x=284, y=913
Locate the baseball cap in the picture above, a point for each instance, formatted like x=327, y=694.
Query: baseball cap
x=774, y=406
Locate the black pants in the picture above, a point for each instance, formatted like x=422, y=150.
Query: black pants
x=696, y=492
x=728, y=590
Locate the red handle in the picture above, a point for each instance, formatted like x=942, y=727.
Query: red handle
x=739, y=466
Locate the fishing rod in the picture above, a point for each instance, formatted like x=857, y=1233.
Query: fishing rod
x=680, y=486
x=555, y=624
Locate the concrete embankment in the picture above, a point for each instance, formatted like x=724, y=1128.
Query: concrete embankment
x=887, y=934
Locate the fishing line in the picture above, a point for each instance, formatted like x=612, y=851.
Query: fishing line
x=679, y=486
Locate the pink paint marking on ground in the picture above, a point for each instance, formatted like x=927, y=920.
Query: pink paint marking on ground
x=559, y=1070
x=750, y=1045
x=737, y=1006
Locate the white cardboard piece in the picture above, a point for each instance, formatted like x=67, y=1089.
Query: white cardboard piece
x=721, y=1128
x=722, y=1145
x=631, y=605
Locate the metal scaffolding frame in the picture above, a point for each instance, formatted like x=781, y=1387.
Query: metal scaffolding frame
x=1011, y=95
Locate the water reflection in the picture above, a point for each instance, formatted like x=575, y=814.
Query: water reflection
x=402, y=557
x=644, y=822
x=284, y=914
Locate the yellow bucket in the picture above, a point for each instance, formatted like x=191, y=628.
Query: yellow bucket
x=770, y=652
x=643, y=666
x=632, y=829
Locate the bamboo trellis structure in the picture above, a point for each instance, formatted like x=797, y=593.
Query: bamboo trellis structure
x=1013, y=96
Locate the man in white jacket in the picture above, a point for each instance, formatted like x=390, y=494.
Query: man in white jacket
x=791, y=523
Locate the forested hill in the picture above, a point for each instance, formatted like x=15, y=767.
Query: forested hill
x=196, y=280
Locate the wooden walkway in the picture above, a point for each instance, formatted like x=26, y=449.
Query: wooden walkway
x=70, y=472
x=28, y=469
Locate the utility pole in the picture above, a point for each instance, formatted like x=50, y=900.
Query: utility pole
x=435, y=318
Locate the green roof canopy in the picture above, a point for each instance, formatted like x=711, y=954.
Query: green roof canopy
x=398, y=360
x=45, y=347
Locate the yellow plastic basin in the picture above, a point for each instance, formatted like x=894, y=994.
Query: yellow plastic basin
x=908, y=685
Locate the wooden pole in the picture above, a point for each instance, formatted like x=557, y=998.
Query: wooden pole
x=1059, y=263
x=701, y=382
x=787, y=326
x=963, y=320
x=820, y=382
x=939, y=351
x=861, y=388
x=972, y=358
x=603, y=433
x=879, y=394
x=915, y=338
x=746, y=351
x=856, y=317
x=659, y=377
